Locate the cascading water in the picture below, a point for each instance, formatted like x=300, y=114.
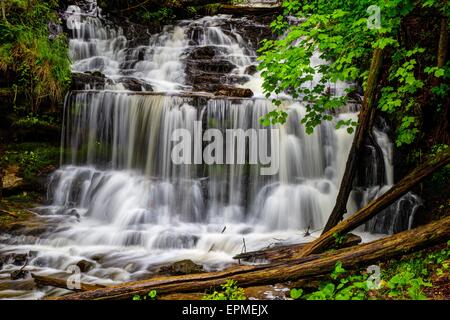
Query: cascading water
x=125, y=207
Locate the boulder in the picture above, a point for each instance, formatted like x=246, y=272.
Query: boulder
x=178, y=268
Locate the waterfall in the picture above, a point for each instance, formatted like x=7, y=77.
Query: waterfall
x=125, y=206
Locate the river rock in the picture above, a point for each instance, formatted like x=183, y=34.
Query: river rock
x=85, y=266
x=178, y=268
x=229, y=91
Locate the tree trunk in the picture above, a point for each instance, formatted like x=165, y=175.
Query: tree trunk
x=312, y=266
x=442, y=132
x=366, y=117
x=366, y=213
x=443, y=43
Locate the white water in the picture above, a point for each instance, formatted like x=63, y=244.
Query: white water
x=127, y=208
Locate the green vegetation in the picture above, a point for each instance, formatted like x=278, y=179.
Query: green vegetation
x=32, y=158
x=35, y=61
x=31, y=121
x=162, y=15
x=152, y=295
x=404, y=279
x=230, y=291
x=340, y=31
x=339, y=239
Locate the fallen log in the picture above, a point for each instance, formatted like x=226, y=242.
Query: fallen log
x=293, y=270
x=62, y=283
x=285, y=252
x=369, y=211
x=366, y=118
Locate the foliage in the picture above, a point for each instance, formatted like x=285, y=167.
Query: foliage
x=342, y=287
x=404, y=279
x=162, y=15
x=35, y=121
x=38, y=59
x=212, y=8
x=152, y=295
x=339, y=239
x=274, y=117
x=230, y=291
x=338, y=31
x=441, y=178
x=32, y=158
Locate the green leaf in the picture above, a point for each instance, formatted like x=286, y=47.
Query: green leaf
x=296, y=293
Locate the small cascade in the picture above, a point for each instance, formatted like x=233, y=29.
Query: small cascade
x=375, y=178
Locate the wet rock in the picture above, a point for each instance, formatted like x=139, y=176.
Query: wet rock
x=73, y=213
x=85, y=266
x=31, y=226
x=17, y=259
x=131, y=267
x=229, y=91
x=88, y=80
x=134, y=84
x=203, y=53
x=220, y=66
x=251, y=70
x=100, y=258
x=20, y=274
x=178, y=268
x=96, y=74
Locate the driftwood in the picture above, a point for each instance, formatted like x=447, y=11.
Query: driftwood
x=366, y=118
x=369, y=211
x=280, y=272
x=285, y=252
x=62, y=283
